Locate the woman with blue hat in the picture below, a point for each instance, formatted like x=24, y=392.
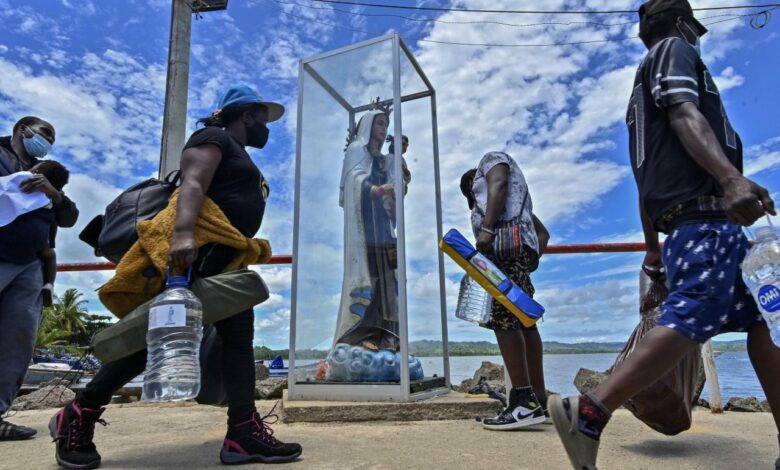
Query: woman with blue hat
x=214, y=164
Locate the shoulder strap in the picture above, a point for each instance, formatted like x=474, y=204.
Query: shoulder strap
x=5, y=160
x=518, y=217
x=525, y=199
x=173, y=177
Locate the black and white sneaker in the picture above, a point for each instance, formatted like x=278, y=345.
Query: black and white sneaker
x=14, y=432
x=523, y=410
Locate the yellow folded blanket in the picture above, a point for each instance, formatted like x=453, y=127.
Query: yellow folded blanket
x=129, y=288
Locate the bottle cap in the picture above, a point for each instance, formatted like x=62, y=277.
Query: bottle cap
x=766, y=233
x=177, y=281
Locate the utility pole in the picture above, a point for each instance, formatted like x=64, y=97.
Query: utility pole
x=177, y=82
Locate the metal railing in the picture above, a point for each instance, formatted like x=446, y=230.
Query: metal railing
x=79, y=267
x=587, y=248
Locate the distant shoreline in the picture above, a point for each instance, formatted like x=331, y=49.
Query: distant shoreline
x=428, y=348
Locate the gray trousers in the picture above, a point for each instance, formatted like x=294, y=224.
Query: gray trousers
x=20, y=312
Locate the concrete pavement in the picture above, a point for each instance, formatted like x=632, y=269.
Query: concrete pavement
x=142, y=436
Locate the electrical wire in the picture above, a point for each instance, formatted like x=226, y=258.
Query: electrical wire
x=487, y=22
x=435, y=20
x=527, y=12
x=560, y=44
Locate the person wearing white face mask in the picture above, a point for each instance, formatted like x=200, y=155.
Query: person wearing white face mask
x=31, y=140
x=21, y=277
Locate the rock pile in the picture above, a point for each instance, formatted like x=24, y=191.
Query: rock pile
x=52, y=394
x=493, y=373
x=270, y=388
x=749, y=404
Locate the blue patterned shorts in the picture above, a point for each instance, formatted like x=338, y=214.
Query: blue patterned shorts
x=706, y=293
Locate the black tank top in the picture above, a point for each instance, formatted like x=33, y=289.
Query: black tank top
x=237, y=184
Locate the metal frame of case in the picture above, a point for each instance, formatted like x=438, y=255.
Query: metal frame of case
x=372, y=392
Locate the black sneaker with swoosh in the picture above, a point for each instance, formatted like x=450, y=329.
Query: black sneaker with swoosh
x=516, y=416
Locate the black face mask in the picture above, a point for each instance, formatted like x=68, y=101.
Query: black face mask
x=257, y=135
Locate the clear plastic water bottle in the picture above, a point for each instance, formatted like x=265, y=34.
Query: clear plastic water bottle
x=348, y=363
x=173, y=344
x=474, y=304
x=761, y=272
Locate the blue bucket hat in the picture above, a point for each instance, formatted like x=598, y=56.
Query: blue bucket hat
x=244, y=94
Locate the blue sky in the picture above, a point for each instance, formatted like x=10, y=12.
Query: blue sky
x=96, y=70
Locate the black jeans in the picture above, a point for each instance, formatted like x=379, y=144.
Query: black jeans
x=238, y=360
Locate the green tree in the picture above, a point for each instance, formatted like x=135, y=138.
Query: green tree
x=93, y=324
x=49, y=331
x=68, y=322
x=70, y=312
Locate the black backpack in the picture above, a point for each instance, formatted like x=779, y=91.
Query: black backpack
x=112, y=234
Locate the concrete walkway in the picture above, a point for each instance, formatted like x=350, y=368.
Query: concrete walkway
x=189, y=437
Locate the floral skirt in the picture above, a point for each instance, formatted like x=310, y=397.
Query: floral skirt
x=519, y=271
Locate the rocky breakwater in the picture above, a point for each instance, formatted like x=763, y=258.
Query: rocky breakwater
x=491, y=372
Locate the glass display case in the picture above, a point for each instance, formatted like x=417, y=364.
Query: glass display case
x=368, y=317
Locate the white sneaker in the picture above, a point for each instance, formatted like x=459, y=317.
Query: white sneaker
x=515, y=418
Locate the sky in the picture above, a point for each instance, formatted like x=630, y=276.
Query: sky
x=97, y=70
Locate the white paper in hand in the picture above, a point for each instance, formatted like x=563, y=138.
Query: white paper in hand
x=14, y=202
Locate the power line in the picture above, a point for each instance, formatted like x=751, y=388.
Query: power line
x=487, y=22
x=435, y=20
x=455, y=43
x=529, y=12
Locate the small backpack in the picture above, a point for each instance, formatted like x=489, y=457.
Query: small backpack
x=112, y=234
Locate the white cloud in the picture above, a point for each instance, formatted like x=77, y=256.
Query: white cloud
x=762, y=157
x=617, y=270
x=32, y=22
x=624, y=237
x=91, y=196
x=106, y=125
x=277, y=278
x=729, y=79
x=275, y=301
x=537, y=105
x=274, y=320
x=28, y=24
x=82, y=6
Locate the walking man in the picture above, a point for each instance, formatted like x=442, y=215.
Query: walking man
x=21, y=276
x=687, y=162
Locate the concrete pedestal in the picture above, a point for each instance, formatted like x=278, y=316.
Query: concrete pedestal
x=452, y=406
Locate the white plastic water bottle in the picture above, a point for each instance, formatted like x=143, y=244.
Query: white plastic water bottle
x=173, y=344
x=761, y=272
x=474, y=304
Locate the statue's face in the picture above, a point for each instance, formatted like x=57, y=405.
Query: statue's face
x=379, y=131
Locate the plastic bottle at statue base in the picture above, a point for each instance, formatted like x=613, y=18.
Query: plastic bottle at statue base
x=173, y=344
x=347, y=363
x=761, y=272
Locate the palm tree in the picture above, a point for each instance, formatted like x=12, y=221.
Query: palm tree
x=70, y=311
x=68, y=322
x=49, y=331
